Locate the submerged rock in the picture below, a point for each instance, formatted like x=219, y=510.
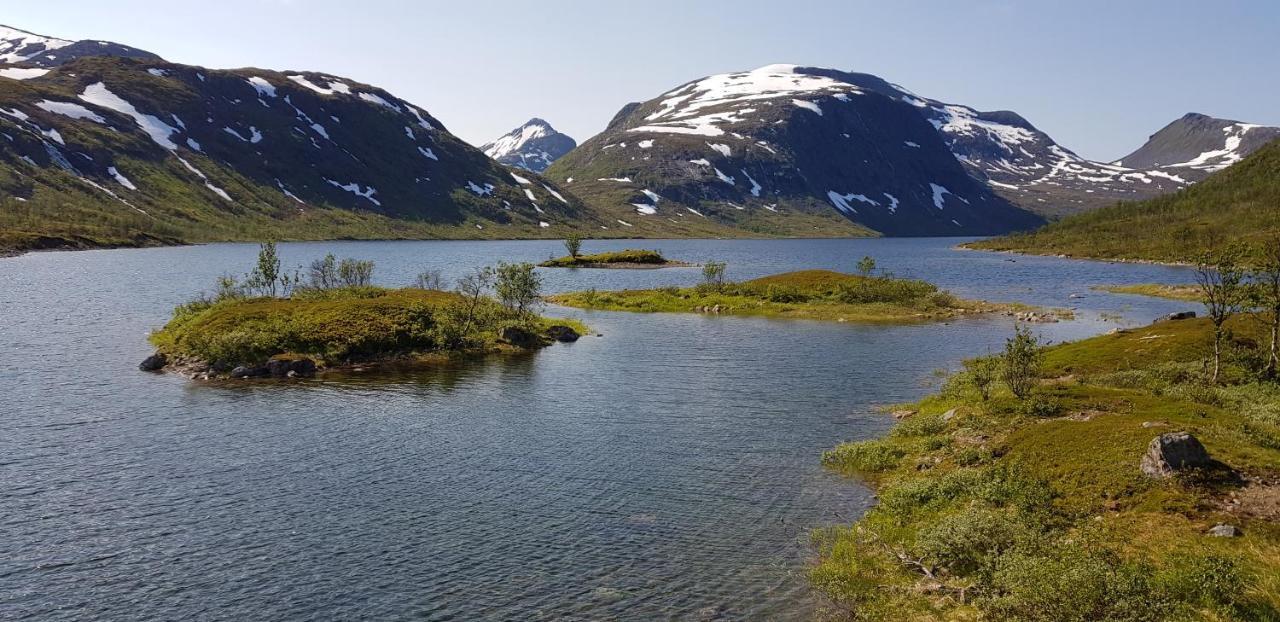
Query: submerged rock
x=155, y=362
x=1170, y=453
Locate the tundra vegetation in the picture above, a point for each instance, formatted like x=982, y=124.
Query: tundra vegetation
x=1018, y=491
x=807, y=294
x=333, y=314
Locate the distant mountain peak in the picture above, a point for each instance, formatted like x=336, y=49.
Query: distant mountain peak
x=19, y=46
x=532, y=146
x=1200, y=144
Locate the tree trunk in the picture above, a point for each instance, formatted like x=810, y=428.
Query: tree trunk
x=1274, y=358
x=1217, y=353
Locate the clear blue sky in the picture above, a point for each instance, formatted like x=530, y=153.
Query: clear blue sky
x=1098, y=76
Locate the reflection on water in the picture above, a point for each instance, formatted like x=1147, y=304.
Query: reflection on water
x=665, y=470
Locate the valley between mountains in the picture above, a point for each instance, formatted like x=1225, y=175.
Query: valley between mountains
x=103, y=144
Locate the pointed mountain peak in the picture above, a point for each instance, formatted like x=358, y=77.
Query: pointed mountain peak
x=533, y=146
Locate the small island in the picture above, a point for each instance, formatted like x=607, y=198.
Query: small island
x=274, y=324
x=629, y=259
x=1188, y=293
x=806, y=294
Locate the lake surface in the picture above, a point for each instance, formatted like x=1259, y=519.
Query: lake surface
x=668, y=469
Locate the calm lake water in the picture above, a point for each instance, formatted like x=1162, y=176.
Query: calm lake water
x=668, y=470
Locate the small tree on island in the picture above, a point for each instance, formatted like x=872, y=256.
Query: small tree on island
x=866, y=265
x=713, y=274
x=1021, y=362
x=573, y=244
x=1221, y=281
x=266, y=275
x=323, y=273
x=472, y=288
x=518, y=286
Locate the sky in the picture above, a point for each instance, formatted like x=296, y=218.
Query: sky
x=1097, y=76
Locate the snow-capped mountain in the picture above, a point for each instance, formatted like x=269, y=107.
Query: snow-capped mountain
x=27, y=48
x=162, y=147
x=784, y=140
x=532, y=146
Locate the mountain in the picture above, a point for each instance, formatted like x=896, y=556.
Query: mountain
x=532, y=146
x=27, y=48
x=1200, y=144
x=1233, y=204
x=111, y=150
x=780, y=145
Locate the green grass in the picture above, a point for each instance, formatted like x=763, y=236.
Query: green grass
x=336, y=327
x=1189, y=293
x=808, y=294
x=1037, y=510
x=630, y=256
x=1238, y=203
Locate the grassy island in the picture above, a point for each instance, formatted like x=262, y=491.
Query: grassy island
x=1030, y=499
x=635, y=259
x=1189, y=293
x=807, y=294
x=272, y=325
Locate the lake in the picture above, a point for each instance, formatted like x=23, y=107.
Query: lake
x=667, y=469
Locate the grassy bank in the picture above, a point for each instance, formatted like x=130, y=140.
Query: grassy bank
x=1036, y=509
x=1189, y=293
x=629, y=258
x=808, y=294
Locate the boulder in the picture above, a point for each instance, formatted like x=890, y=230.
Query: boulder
x=519, y=337
x=278, y=368
x=303, y=367
x=155, y=362
x=563, y=334
x=1225, y=531
x=250, y=371
x=1179, y=315
x=1170, y=453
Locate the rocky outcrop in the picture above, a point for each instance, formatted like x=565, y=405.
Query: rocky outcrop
x=277, y=368
x=155, y=362
x=1174, y=452
x=563, y=334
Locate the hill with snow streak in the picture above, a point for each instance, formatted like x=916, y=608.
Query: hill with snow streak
x=779, y=143
x=532, y=146
x=30, y=49
x=171, y=152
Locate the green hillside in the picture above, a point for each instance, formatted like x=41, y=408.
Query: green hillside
x=1240, y=203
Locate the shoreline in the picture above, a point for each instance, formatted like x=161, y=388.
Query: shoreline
x=1028, y=253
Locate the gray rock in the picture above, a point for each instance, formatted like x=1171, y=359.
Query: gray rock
x=155, y=362
x=1179, y=315
x=1172, y=452
x=303, y=367
x=1225, y=531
